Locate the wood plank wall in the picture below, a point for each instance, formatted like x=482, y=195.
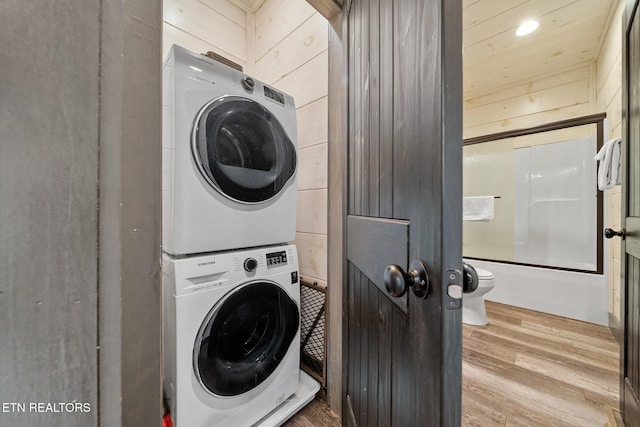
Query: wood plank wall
x=609, y=99
x=206, y=25
x=530, y=103
x=291, y=52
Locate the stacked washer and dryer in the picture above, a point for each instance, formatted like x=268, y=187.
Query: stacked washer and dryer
x=231, y=291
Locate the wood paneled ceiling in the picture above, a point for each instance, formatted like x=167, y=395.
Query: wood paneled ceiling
x=248, y=5
x=569, y=36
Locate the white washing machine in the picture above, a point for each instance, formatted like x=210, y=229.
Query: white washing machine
x=229, y=158
x=231, y=342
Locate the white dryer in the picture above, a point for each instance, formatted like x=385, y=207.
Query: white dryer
x=229, y=158
x=231, y=341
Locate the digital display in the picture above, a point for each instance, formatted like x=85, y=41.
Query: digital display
x=275, y=259
x=272, y=94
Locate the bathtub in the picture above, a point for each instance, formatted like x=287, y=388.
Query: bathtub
x=575, y=295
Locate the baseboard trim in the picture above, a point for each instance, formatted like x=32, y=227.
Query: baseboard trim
x=614, y=416
x=616, y=329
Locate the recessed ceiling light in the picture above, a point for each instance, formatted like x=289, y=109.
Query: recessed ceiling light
x=527, y=27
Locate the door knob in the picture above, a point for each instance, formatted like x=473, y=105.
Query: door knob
x=397, y=281
x=469, y=278
x=610, y=232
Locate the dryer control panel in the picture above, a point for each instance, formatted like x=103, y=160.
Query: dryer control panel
x=274, y=95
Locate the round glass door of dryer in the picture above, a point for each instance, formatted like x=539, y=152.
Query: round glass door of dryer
x=242, y=150
x=244, y=338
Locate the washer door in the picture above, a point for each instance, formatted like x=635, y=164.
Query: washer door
x=242, y=150
x=244, y=338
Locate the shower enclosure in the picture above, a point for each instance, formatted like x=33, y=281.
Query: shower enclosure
x=545, y=242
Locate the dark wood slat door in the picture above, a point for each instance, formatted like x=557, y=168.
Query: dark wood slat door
x=404, y=204
x=630, y=351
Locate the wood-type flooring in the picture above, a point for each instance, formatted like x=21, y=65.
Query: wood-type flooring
x=315, y=414
x=525, y=368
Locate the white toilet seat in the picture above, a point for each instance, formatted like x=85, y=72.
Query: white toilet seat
x=484, y=274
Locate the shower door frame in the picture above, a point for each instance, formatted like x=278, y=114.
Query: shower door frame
x=597, y=119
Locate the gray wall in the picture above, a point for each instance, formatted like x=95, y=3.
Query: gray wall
x=79, y=294
x=130, y=213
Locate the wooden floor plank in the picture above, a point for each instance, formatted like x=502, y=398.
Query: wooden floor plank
x=315, y=414
x=481, y=410
x=600, y=353
x=564, y=372
x=525, y=368
x=517, y=397
x=518, y=375
x=588, y=379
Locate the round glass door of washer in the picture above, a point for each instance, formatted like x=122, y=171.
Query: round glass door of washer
x=244, y=338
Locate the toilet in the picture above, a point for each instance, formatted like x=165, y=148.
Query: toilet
x=473, y=311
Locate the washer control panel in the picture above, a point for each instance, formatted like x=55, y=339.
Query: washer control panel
x=276, y=259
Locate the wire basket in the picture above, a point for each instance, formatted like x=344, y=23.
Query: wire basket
x=312, y=330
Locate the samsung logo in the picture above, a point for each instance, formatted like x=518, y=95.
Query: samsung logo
x=202, y=264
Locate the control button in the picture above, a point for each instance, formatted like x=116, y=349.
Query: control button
x=250, y=264
x=248, y=83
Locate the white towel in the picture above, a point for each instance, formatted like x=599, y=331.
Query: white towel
x=609, y=168
x=479, y=208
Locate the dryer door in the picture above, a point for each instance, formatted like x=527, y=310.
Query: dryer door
x=244, y=338
x=242, y=150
